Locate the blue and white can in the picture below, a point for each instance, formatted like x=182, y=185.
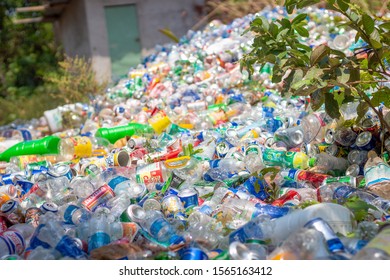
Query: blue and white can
x=189, y=197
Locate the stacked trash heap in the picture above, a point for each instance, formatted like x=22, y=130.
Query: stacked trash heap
x=190, y=158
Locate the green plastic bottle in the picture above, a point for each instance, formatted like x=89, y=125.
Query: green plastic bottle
x=113, y=134
x=43, y=146
x=285, y=159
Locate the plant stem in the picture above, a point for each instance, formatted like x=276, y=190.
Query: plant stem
x=378, y=113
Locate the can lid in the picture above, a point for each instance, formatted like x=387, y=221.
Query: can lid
x=363, y=139
x=59, y=170
x=136, y=213
x=329, y=136
x=353, y=170
x=9, y=206
x=49, y=207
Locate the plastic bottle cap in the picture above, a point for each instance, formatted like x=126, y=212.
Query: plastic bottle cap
x=312, y=162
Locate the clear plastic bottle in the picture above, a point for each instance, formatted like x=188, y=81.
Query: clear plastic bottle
x=326, y=162
x=158, y=227
x=15, y=239
x=73, y=214
x=50, y=233
x=377, y=175
x=99, y=229
x=337, y=216
x=308, y=244
x=247, y=251
x=378, y=247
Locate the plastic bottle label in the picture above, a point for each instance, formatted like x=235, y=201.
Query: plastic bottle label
x=98, y=197
x=82, y=146
x=343, y=192
x=157, y=225
x=273, y=157
x=16, y=241
x=116, y=181
x=98, y=240
x=248, y=231
x=35, y=241
x=151, y=173
x=70, y=210
x=377, y=174
x=68, y=247
x=11, y=249
x=256, y=187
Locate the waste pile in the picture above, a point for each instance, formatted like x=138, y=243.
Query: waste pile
x=190, y=158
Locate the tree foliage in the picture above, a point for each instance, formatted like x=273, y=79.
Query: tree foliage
x=327, y=75
x=27, y=53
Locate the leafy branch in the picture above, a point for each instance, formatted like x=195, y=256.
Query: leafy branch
x=328, y=75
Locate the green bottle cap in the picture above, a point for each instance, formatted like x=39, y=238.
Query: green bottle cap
x=264, y=98
x=312, y=162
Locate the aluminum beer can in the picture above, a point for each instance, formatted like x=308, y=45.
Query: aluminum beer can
x=365, y=141
x=49, y=207
x=59, y=170
x=13, y=211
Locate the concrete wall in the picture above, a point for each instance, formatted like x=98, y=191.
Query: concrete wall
x=72, y=30
x=83, y=27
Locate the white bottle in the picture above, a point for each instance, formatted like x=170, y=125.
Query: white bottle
x=15, y=239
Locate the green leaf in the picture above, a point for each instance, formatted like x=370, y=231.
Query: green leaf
x=368, y=24
x=267, y=170
x=385, y=25
x=257, y=22
x=358, y=207
x=298, y=76
x=343, y=75
x=313, y=73
x=273, y=29
x=339, y=97
x=299, y=84
x=362, y=109
x=302, y=31
x=342, y=5
x=334, y=62
x=285, y=23
x=305, y=3
x=265, y=23
x=331, y=106
x=317, y=99
x=318, y=53
x=303, y=47
x=169, y=34
x=382, y=95
x=375, y=39
x=299, y=18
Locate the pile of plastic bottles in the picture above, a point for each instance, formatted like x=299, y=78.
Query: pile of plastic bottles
x=190, y=158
